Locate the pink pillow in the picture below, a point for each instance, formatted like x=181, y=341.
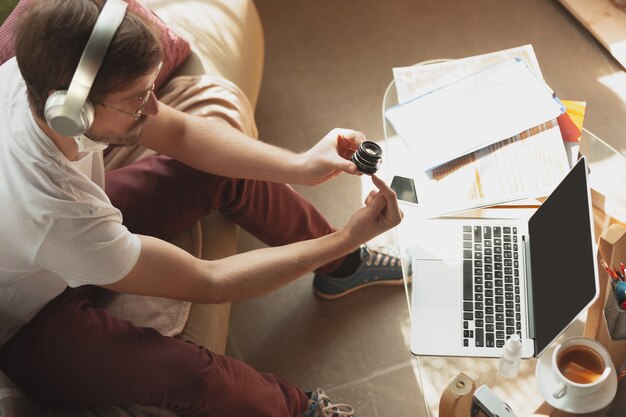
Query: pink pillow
x=175, y=48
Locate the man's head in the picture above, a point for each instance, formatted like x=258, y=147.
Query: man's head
x=50, y=41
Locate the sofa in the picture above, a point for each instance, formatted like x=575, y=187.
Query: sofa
x=219, y=79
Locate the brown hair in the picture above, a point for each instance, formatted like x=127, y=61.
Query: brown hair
x=50, y=40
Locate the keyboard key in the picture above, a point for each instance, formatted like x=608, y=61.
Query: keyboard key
x=468, y=306
x=499, y=343
x=489, y=328
x=467, y=229
x=478, y=236
x=467, y=280
x=497, y=231
x=479, y=339
x=466, y=325
x=468, y=316
x=467, y=254
x=507, y=230
x=487, y=232
x=465, y=342
x=489, y=340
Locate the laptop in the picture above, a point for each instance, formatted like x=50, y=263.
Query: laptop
x=477, y=281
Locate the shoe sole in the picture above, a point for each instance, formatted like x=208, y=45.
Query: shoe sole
x=386, y=283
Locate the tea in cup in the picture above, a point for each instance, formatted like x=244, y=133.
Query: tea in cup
x=580, y=366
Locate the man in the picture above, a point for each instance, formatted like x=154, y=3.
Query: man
x=60, y=229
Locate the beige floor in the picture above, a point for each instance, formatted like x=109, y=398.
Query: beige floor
x=328, y=63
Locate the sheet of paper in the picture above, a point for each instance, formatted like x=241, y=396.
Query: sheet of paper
x=528, y=165
x=474, y=112
x=417, y=80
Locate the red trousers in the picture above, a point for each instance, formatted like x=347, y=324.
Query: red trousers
x=73, y=353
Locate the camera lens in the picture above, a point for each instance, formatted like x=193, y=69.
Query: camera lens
x=367, y=158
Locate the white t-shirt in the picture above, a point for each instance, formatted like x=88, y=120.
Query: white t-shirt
x=57, y=226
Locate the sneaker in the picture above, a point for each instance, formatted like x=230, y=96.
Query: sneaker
x=321, y=406
x=378, y=267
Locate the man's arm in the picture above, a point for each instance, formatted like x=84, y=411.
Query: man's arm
x=164, y=270
x=216, y=147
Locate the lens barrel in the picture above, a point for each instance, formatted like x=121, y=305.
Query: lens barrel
x=368, y=157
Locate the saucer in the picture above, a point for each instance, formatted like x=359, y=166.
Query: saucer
x=574, y=404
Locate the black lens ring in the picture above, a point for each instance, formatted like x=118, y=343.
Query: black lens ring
x=368, y=157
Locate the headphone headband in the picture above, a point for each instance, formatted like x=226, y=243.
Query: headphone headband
x=67, y=119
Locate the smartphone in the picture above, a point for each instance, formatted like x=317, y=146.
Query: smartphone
x=405, y=189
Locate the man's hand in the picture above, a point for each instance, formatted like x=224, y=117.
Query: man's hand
x=381, y=213
x=331, y=156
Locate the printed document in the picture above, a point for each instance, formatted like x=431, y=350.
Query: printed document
x=474, y=112
x=527, y=165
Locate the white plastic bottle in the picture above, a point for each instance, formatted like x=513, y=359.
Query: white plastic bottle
x=511, y=357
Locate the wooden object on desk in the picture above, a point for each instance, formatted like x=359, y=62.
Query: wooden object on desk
x=606, y=23
x=456, y=399
x=611, y=248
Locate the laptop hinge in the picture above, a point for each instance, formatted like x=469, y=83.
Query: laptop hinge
x=530, y=316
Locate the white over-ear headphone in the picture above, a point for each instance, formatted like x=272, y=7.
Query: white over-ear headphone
x=68, y=112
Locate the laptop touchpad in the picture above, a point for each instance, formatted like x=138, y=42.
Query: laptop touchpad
x=437, y=284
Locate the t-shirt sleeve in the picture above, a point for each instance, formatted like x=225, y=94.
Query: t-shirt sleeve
x=82, y=251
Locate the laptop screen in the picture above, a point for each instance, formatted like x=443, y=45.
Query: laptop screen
x=562, y=257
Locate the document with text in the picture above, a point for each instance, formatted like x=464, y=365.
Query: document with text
x=526, y=165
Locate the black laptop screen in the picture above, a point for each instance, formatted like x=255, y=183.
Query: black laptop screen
x=562, y=257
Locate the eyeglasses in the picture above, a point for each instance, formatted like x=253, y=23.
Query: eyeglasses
x=143, y=100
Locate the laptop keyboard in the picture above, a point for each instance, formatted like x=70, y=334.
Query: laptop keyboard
x=491, y=285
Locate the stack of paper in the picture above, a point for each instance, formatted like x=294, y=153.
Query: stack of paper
x=482, y=130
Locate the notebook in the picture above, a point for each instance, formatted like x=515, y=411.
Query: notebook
x=477, y=281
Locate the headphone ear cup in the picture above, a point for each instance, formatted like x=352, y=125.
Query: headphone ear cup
x=63, y=123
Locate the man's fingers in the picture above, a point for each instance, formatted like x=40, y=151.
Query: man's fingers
x=390, y=196
x=370, y=197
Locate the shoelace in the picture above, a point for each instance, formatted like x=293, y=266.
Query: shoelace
x=383, y=254
x=333, y=410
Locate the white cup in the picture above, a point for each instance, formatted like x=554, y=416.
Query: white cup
x=580, y=366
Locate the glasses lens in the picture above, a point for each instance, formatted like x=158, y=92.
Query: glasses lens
x=144, y=101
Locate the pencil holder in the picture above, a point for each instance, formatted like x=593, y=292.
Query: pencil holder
x=615, y=317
